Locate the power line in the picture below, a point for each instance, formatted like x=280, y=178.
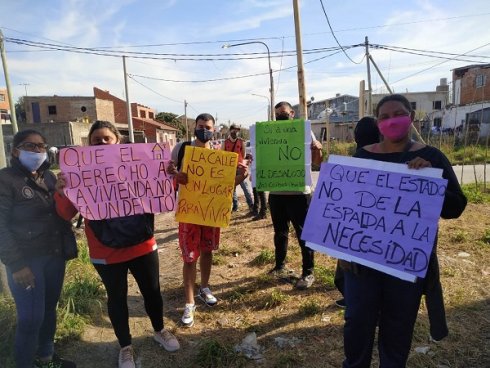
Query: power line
x=152, y=90
x=335, y=37
x=442, y=62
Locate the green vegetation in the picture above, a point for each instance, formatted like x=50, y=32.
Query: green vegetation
x=325, y=275
x=274, y=299
x=310, y=308
x=265, y=256
x=212, y=353
x=7, y=321
x=476, y=194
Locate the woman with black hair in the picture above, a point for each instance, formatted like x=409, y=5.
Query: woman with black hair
x=32, y=239
x=374, y=298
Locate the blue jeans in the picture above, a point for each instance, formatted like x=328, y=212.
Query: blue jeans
x=375, y=298
x=248, y=196
x=36, y=309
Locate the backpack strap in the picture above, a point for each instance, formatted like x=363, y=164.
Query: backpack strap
x=180, y=155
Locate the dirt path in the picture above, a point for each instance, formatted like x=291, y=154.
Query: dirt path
x=308, y=319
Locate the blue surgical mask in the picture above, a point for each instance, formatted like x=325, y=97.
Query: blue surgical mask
x=203, y=135
x=32, y=160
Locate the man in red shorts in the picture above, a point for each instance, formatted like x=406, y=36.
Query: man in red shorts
x=197, y=241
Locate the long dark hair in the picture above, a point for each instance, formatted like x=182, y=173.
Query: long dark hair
x=100, y=124
x=366, y=132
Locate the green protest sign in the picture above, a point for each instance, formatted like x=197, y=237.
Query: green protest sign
x=280, y=155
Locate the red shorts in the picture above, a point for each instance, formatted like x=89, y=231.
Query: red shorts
x=196, y=238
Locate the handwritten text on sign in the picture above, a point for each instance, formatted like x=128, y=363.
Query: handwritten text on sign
x=384, y=220
x=281, y=162
x=110, y=181
x=206, y=198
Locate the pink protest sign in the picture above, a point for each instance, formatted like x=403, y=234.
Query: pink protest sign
x=378, y=214
x=110, y=181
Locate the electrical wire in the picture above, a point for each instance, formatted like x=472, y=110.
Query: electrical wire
x=335, y=37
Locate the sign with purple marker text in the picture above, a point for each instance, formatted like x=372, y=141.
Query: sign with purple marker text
x=378, y=214
x=117, y=180
x=206, y=198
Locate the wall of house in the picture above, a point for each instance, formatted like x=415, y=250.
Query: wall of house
x=4, y=100
x=58, y=109
x=141, y=111
x=119, y=106
x=470, y=81
x=105, y=110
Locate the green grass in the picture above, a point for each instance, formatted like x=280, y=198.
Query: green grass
x=475, y=194
x=266, y=256
x=274, y=299
x=213, y=354
x=310, y=308
x=325, y=275
x=486, y=237
x=7, y=330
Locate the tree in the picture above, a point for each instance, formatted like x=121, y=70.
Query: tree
x=20, y=110
x=170, y=118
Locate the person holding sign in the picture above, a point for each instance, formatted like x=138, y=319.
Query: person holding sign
x=197, y=241
x=32, y=239
x=377, y=298
x=286, y=207
x=236, y=144
x=120, y=245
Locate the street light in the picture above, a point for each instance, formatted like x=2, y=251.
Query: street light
x=268, y=105
x=271, y=89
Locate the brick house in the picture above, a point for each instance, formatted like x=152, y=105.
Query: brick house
x=41, y=110
x=4, y=106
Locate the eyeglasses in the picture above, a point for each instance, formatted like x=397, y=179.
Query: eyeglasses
x=30, y=146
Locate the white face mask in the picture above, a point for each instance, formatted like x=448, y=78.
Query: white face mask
x=32, y=160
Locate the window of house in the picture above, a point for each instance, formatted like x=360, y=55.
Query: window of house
x=480, y=80
x=437, y=122
x=414, y=105
x=151, y=115
x=437, y=105
x=2, y=97
x=142, y=113
x=52, y=110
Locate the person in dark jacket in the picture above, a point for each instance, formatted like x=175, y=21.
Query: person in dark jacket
x=373, y=297
x=32, y=237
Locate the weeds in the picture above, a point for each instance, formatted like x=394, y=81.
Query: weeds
x=486, y=237
x=274, y=299
x=310, y=308
x=459, y=236
x=266, y=256
x=288, y=360
x=7, y=331
x=325, y=276
x=475, y=194
x=213, y=354
x=218, y=260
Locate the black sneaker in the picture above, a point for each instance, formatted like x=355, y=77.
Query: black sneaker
x=260, y=216
x=55, y=362
x=340, y=303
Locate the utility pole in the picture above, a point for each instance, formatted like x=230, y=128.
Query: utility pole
x=13, y=117
x=128, y=107
x=186, y=123
x=362, y=99
x=25, y=86
x=299, y=55
x=369, y=109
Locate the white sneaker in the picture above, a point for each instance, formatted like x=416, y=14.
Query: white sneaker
x=188, y=316
x=167, y=340
x=207, y=297
x=126, y=357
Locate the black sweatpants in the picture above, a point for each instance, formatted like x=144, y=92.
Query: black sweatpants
x=145, y=270
x=285, y=209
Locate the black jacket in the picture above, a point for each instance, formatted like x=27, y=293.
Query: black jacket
x=29, y=223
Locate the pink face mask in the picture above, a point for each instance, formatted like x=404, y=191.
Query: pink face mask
x=395, y=128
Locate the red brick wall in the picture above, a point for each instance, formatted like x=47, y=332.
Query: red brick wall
x=469, y=93
x=120, y=115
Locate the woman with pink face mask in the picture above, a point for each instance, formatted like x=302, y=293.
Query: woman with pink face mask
x=374, y=298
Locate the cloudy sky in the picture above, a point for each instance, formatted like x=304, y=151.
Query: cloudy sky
x=160, y=37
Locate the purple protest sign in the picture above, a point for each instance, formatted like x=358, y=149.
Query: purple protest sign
x=117, y=180
x=378, y=214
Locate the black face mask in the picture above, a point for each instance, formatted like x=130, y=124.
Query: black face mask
x=203, y=135
x=282, y=116
x=233, y=135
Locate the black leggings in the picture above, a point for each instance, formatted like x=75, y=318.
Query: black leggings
x=145, y=271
